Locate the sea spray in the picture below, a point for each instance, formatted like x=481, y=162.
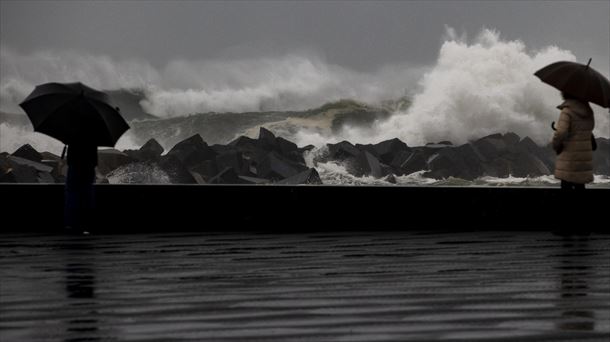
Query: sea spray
x=295, y=81
x=13, y=136
x=22, y=72
x=474, y=89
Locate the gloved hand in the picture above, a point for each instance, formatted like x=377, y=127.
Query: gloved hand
x=593, y=142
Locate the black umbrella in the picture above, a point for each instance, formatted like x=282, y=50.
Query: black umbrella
x=577, y=80
x=74, y=113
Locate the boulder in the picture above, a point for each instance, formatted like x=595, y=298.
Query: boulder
x=198, y=178
x=390, y=179
x=243, y=143
x=472, y=160
x=286, y=147
x=60, y=166
x=388, y=149
x=60, y=169
x=449, y=163
x=511, y=139
x=342, y=150
x=430, y=149
x=39, y=167
x=5, y=164
x=135, y=155
x=226, y=176
x=274, y=167
x=546, y=155
x=192, y=151
x=415, y=162
x=527, y=165
x=491, y=147
x=266, y=140
x=19, y=173
x=110, y=159
x=309, y=176
x=250, y=150
x=498, y=167
x=175, y=170
x=45, y=177
x=232, y=159
x=399, y=159
x=366, y=164
x=370, y=148
x=28, y=152
x=289, y=150
x=220, y=149
x=207, y=169
x=151, y=150
x=49, y=156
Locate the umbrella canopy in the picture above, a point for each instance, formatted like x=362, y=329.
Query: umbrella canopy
x=74, y=113
x=578, y=80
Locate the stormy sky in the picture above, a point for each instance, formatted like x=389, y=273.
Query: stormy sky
x=358, y=35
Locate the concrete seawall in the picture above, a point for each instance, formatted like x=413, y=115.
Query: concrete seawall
x=173, y=208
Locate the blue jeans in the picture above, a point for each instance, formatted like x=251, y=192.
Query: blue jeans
x=79, y=196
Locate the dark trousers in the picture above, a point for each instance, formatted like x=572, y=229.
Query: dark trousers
x=79, y=196
x=571, y=186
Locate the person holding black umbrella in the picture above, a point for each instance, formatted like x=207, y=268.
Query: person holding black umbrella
x=573, y=139
x=573, y=142
x=83, y=119
x=79, y=194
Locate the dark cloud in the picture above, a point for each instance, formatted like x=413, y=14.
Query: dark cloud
x=358, y=35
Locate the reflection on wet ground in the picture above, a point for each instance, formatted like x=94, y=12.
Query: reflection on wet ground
x=332, y=287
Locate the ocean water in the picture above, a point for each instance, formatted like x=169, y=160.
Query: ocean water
x=365, y=286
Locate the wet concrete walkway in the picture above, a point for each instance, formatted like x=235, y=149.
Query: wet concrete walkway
x=309, y=287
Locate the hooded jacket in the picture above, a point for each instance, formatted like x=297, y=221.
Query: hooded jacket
x=573, y=138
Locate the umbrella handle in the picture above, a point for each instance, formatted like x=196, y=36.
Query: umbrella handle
x=63, y=153
x=553, y=125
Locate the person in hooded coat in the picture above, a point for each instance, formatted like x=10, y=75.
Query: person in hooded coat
x=79, y=191
x=573, y=141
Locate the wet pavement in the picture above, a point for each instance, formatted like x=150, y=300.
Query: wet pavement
x=361, y=286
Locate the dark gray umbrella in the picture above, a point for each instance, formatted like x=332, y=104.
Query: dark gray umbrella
x=74, y=113
x=578, y=80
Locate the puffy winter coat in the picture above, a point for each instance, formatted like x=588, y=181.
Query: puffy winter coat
x=572, y=138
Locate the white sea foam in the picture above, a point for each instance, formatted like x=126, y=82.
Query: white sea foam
x=474, y=89
x=138, y=173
